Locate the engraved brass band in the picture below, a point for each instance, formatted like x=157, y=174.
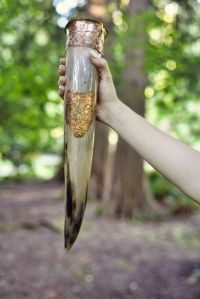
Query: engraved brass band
x=86, y=33
x=80, y=111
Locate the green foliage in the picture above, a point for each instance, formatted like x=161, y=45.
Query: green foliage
x=151, y=217
x=173, y=75
x=173, y=101
x=170, y=195
x=101, y=210
x=31, y=112
x=169, y=37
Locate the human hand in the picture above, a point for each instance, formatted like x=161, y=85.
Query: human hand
x=107, y=96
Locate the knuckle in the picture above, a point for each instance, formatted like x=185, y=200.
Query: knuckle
x=61, y=92
x=104, y=62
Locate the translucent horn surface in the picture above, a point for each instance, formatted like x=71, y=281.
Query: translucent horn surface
x=79, y=118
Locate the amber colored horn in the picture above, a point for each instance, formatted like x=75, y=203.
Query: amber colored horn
x=79, y=118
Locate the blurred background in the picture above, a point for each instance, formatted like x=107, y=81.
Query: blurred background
x=140, y=237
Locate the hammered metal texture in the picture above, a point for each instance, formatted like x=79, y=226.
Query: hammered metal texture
x=86, y=33
x=80, y=111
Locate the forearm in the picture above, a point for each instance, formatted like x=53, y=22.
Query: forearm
x=175, y=160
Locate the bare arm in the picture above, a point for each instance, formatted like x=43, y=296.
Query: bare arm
x=172, y=158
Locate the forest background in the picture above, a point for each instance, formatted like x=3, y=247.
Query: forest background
x=153, y=52
x=140, y=236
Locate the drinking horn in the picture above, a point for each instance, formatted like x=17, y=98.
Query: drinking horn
x=82, y=35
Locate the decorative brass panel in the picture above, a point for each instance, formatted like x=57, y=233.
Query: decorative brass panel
x=86, y=33
x=80, y=111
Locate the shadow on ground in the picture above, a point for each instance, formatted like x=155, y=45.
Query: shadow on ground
x=111, y=259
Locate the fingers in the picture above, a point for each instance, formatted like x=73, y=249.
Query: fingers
x=102, y=65
x=62, y=66
x=61, y=86
x=61, y=81
x=62, y=70
x=61, y=91
x=62, y=60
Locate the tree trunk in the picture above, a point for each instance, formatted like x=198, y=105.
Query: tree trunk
x=97, y=10
x=128, y=191
x=99, y=161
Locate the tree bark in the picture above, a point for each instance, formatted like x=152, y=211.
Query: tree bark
x=99, y=161
x=99, y=164
x=128, y=191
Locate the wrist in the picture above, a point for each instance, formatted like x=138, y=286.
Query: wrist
x=111, y=111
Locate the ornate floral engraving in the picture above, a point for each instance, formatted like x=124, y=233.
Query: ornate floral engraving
x=80, y=111
x=86, y=33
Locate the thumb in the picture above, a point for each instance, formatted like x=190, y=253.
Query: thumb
x=102, y=66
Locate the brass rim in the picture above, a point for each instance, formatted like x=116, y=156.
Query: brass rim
x=87, y=19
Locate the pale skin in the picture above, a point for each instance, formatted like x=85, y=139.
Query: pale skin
x=174, y=159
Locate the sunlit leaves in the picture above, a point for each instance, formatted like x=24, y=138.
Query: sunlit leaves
x=31, y=45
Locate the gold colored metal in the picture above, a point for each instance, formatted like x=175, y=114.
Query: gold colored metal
x=86, y=33
x=80, y=111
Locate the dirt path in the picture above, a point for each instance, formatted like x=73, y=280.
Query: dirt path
x=110, y=260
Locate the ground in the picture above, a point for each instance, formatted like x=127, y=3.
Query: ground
x=111, y=259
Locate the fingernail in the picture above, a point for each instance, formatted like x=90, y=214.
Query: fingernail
x=94, y=54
